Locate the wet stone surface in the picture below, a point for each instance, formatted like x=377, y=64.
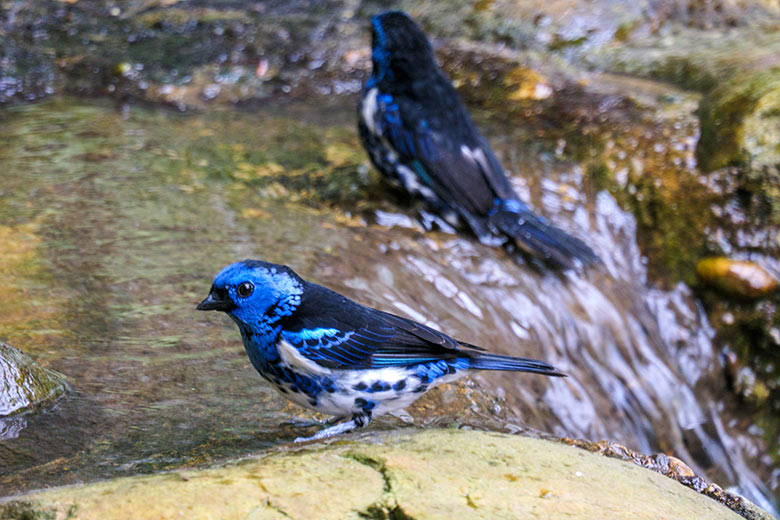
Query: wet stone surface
x=24, y=386
x=123, y=198
x=105, y=283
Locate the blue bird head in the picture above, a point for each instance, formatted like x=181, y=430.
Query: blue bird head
x=254, y=293
x=399, y=48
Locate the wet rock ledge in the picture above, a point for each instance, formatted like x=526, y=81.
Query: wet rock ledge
x=406, y=474
x=24, y=384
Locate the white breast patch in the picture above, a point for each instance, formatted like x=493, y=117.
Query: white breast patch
x=368, y=110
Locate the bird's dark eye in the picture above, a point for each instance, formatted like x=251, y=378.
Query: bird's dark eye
x=245, y=289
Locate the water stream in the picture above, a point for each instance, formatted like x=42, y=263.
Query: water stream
x=115, y=221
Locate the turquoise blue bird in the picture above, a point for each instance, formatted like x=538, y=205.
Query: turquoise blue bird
x=333, y=355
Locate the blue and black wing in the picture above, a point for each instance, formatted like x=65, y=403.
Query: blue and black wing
x=338, y=333
x=442, y=149
x=333, y=347
x=435, y=152
x=377, y=341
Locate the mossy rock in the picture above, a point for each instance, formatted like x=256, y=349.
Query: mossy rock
x=24, y=384
x=740, y=123
x=428, y=474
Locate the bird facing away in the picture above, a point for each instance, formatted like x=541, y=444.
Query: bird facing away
x=418, y=133
x=328, y=353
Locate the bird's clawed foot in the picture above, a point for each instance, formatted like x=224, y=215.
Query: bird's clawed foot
x=358, y=421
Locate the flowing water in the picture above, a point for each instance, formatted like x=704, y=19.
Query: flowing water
x=115, y=220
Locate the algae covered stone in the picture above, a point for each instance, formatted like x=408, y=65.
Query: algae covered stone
x=23, y=383
x=433, y=474
x=740, y=122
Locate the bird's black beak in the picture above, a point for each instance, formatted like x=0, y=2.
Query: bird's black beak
x=216, y=301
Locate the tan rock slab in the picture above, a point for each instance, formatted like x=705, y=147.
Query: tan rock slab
x=432, y=474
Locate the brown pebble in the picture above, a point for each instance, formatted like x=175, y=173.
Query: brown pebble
x=737, y=278
x=679, y=469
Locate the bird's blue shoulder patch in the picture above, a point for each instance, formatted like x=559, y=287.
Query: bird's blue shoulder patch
x=391, y=125
x=318, y=334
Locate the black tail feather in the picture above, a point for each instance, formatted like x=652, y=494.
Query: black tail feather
x=486, y=361
x=542, y=240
